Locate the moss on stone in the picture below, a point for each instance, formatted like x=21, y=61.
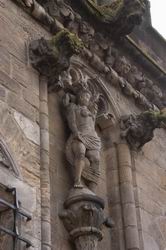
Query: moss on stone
x=106, y=13
x=66, y=38
x=158, y=115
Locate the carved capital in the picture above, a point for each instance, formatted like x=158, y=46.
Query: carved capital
x=52, y=57
x=139, y=129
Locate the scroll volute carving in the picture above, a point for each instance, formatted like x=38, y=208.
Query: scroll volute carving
x=139, y=129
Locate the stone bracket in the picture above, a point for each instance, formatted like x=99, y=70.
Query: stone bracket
x=52, y=57
x=139, y=129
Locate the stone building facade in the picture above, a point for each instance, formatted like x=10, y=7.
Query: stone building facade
x=108, y=192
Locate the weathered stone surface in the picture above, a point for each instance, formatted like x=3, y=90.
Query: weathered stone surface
x=29, y=128
x=31, y=98
x=9, y=83
x=145, y=171
x=21, y=106
x=2, y=94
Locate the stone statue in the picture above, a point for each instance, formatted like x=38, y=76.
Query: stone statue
x=83, y=215
x=83, y=145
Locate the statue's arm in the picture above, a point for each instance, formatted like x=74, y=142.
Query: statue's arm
x=71, y=118
x=93, y=107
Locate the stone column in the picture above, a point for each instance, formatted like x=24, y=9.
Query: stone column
x=127, y=197
x=44, y=167
x=110, y=134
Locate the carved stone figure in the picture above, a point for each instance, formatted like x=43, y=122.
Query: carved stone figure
x=83, y=145
x=122, y=66
x=139, y=129
x=121, y=16
x=52, y=57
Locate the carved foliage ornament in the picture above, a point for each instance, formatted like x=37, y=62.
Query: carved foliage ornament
x=52, y=57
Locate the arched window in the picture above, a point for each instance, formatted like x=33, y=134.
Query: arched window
x=10, y=211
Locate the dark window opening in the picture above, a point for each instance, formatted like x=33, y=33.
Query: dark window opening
x=10, y=220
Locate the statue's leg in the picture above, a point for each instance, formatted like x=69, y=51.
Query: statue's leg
x=94, y=158
x=79, y=162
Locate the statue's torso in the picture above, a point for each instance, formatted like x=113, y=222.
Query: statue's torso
x=84, y=120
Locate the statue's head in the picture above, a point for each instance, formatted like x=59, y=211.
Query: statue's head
x=84, y=97
x=122, y=66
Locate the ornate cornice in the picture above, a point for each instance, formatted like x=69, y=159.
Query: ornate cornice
x=102, y=60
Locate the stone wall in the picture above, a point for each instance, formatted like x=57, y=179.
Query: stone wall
x=24, y=131
x=149, y=176
x=19, y=112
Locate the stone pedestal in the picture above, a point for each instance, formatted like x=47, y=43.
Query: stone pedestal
x=83, y=218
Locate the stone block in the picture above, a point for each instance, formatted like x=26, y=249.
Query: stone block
x=127, y=194
x=145, y=202
x=150, y=243
x=132, y=238
x=44, y=139
x=9, y=83
x=29, y=128
x=116, y=215
x=110, y=156
x=154, y=192
x=31, y=98
x=124, y=155
x=2, y=94
x=21, y=106
x=114, y=195
x=129, y=215
x=113, y=178
x=44, y=122
x=125, y=175
x=117, y=239
x=5, y=59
